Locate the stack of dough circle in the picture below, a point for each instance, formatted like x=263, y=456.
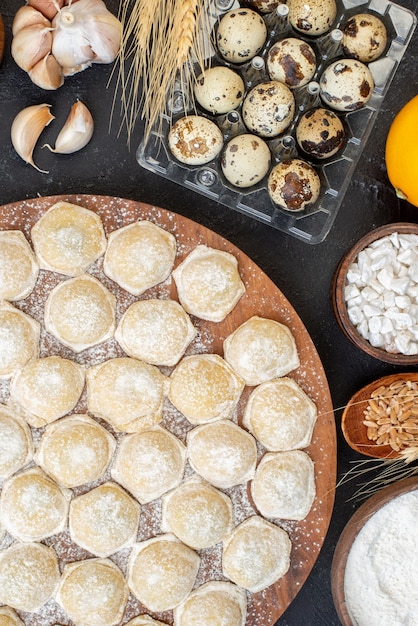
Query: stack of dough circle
x=218, y=603
x=126, y=392
x=139, y=256
x=68, y=239
x=197, y=513
x=9, y=617
x=208, y=283
x=203, y=387
x=156, y=331
x=16, y=443
x=19, y=339
x=19, y=268
x=93, y=591
x=75, y=450
x=80, y=312
x=162, y=572
x=47, y=388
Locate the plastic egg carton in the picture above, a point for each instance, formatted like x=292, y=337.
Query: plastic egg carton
x=314, y=223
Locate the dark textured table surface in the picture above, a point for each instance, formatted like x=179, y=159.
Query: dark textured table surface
x=303, y=272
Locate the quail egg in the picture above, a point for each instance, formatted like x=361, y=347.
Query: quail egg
x=268, y=108
x=195, y=140
x=312, y=17
x=219, y=89
x=346, y=85
x=320, y=133
x=293, y=185
x=291, y=61
x=264, y=6
x=245, y=160
x=364, y=37
x=241, y=34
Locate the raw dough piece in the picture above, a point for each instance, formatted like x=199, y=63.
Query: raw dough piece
x=205, y=388
x=32, y=506
x=9, y=617
x=19, y=268
x=218, y=603
x=80, y=312
x=126, y=392
x=208, y=283
x=29, y=575
x=222, y=453
x=162, y=572
x=280, y=415
x=19, y=339
x=104, y=520
x=47, y=388
x=68, y=239
x=16, y=444
x=149, y=463
x=93, y=591
x=284, y=485
x=197, y=513
x=75, y=450
x=261, y=349
x=155, y=331
x=139, y=256
x=142, y=620
x=256, y=554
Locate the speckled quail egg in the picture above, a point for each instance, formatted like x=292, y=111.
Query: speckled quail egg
x=245, y=160
x=320, y=133
x=219, y=89
x=293, y=185
x=195, y=140
x=241, y=34
x=291, y=61
x=312, y=17
x=364, y=37
x=268, y=108
x=346, y=85
x=264, y=6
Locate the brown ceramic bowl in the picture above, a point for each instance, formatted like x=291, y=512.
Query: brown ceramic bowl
x=349, y=534
x=339, y=303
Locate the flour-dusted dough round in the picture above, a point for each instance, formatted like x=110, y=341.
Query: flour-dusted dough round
x=29, y=575
x=80, y=312
x=162, y=572
x=16, y=443
x=218, y=603
x=104, y=520
x=19, y=339
x=126, y=392
x=19, y=268
x=149, y=463
x=261, y=349
x=68, y=238
x=155, y=331
x=75, y=450
x=222, y=453
x=33, y=506
x=204, y=387
x=208, y=283
x=93, y=591
x=143, y=620
x=256, y=554
x=284, y=485
x=280, y=415
x=46, y=389
x=197, y=513
x=139, y=256
x=9, y=617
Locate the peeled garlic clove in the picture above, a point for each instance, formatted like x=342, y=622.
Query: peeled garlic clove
x=48, y=8
x=27, y=16
x=47, y=73
x=30, y=45
x=76, y=132
x=26, y=129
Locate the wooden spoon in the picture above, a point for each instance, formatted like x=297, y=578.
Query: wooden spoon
x=1, y=37
x=352, y=425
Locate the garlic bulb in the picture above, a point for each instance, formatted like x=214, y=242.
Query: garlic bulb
x=26, y=129
x=76, y=132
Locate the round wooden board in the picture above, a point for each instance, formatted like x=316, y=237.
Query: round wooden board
x=262, y=298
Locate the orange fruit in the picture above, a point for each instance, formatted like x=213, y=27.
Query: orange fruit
x=401, y=154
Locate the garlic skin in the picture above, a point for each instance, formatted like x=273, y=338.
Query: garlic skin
x=47, y=73
x=76, y=132
x=30, y=45
x=26, y=129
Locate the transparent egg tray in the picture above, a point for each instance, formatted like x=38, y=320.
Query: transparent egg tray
x=313, y=224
